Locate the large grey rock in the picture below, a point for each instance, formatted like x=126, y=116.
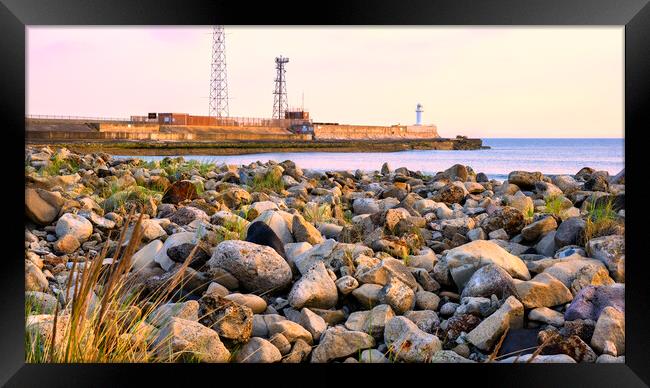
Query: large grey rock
x=524, y=179
x=144, y=258
x=592, y=300
x=543, y=291
x=174, y=240
x=539, y=228
x=75, y=225
x=367, y=295
x=314, y=323
x=408, y=343
x=278, y=224
x=570, y=232
x=189, y=338
x=397, y=295
x=546, y=245
x=258, y=350
x=577, y=272
x=258, y=268
x=464, y=260
x=253, y=302
x=609, y=334
x=304, y=231
x=385, y=271
x=611, y=251
x=314, y=289
x=338, y=342
x=41, y=206
x=229, y=319
x=488, y=280
x=509, y=315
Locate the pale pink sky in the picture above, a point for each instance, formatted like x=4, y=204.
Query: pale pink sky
x=483, y=82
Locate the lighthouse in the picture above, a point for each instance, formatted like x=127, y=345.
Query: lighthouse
x=418, y=114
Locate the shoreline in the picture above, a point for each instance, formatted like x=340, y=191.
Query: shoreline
x=213, y=148
x=281, y=264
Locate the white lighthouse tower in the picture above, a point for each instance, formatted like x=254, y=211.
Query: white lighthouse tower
x=418, y=114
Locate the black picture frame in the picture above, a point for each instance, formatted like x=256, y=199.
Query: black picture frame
x=15, y=15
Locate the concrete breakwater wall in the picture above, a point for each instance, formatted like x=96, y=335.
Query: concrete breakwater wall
x=154, y=136
x=370, y=132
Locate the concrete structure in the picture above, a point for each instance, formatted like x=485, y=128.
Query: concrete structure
x=368, y=132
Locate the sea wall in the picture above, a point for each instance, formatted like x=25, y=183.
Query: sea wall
x=371, y=132
x=89, y=136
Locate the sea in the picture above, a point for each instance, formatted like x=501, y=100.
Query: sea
x=550, y=156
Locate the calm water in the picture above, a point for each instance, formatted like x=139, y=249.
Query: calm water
x=550, y=156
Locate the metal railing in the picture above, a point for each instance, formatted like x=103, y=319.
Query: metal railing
x=78, y=118
x=186, y=120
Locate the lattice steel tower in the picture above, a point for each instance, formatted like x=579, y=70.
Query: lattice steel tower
x=280, y=104
x=218, y=79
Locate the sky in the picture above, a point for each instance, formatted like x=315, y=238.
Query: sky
x=474, y=81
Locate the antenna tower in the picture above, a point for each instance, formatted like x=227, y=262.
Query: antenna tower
x=218, y=78
x=280, y=103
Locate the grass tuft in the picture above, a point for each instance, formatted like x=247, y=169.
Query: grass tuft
x=267, y=181
x=602, y=220
x=104, y=319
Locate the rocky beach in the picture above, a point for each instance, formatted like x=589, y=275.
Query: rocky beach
x=176, y=260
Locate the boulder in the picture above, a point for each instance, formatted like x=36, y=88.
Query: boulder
x=187, y=214
x=174, y=240
x=577, y=272
x=41, y=206
x=230, y=320
x=592, y=300
x=397, y=295
x=253, y=302
x=539, y=228
x=546, y=315
x=66, y=244
x=191, y=339
x=408, y=343
x=144, y=258
x=304, y=231
x=278, y=224
x=611, y=251
x=258, y=350
x=490, y=280
x=543, y=291
x=464, y=260
x=524, y=179
x=292, y=331
x=338, y=343
x=507, y=218
x=258, y=268
x=314, y=289
x=609, y=334
x=570, y=232
x=163, y=314
x=487, y=333
x=74, y=225
x=449, y=194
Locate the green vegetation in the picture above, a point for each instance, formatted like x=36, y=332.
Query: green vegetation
x=318, y=213
x=57, y=164
x=120, y=199
x=268, y=181
x=554, y=205
x=602, y=220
